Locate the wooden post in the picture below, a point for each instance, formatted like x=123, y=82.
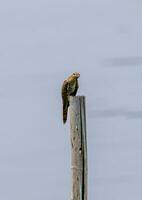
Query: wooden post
x=78, y=148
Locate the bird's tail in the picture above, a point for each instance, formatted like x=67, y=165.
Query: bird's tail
x=65, y=113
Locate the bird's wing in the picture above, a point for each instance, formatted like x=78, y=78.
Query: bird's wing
x=64, y=89
x=65, y=100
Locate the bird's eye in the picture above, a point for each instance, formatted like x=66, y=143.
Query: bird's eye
x=74, y=74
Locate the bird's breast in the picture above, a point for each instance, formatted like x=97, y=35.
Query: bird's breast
x=72, y=86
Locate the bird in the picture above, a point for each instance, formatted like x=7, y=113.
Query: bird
x=69, y=88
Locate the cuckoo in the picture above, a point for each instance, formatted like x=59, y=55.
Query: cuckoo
x=69, y=88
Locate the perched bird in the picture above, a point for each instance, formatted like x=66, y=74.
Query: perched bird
x=69, y=88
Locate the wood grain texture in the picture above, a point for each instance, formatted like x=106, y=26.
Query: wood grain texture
x=78, y=148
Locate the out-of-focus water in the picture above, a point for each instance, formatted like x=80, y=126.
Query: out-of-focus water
x=41, y=43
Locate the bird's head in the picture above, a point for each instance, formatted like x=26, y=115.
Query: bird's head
x=76, y=75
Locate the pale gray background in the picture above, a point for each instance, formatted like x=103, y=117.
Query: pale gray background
x=41, y=43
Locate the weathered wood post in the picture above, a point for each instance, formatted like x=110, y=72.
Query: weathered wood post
x=78, y=148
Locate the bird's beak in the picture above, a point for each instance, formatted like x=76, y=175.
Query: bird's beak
x=78, y=75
